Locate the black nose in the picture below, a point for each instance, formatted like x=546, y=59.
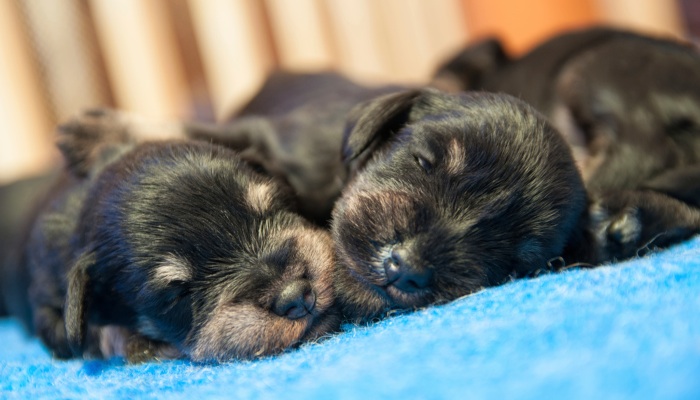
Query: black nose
x=296, y=300
x=404, y=273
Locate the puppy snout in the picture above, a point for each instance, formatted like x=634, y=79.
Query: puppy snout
x=404, y=273
x=296, y=300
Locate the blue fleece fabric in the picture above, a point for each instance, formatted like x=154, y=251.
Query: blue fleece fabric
x=630, y=330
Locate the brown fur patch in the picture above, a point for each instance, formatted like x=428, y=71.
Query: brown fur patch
x=245, y=331
x=171, y=269
x=259, y=197
x=456, y=156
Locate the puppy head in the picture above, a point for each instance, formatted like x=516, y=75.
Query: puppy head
x=632, y=104
x=191, y=247
x=448, y=194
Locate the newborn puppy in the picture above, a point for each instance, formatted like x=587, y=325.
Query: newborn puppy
x=172, y=249
x=441, y=194
x=447, y=195
x=628, y=105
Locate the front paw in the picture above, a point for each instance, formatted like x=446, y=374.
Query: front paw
x=140, y=349
x=122, y=125
x=117, y=341
x=93, y=138
x=629, y=224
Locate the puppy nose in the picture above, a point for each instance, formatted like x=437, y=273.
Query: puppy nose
x=405, y=275
x=296, y=300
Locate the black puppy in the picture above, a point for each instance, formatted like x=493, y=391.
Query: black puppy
x=441, y=194
x=628, y=105
x=172, y=249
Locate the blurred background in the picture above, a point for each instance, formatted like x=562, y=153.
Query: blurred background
x=201, y=59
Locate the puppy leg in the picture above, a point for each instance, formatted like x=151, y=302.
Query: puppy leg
x=631, y=223
x=255, y=138
x=681, y=183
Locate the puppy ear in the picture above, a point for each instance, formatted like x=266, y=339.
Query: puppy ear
x=682, y=184
x=90, y=138
x=373, y=122
x=466, y=69
x=76, y=306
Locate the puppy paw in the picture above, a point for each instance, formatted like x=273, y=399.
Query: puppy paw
x=630, y=224
x=624, y=229
x=97, y=123
x=140, y=349
x=84, y=139
x=115, y=125
x=91, y=136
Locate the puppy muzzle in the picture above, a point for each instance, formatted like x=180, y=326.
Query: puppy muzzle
x=406, y=272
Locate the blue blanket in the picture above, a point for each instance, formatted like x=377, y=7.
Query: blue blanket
x=630, y=330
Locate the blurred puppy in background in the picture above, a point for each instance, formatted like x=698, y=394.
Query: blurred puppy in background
x=17, y=206
x=171, y=249
x=442, y=195
x=629, y=106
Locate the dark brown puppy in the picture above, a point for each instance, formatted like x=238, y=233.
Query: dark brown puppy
x=628, y=105
x=172, y=249
x=441, y=194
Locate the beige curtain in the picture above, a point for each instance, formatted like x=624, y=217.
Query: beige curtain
x=201, y=59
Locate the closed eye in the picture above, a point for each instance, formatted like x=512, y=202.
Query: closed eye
x=680, y=126
x=424, y=163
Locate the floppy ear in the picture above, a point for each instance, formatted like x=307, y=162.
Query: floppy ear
x=467, y=68
x=681, y=183
x=90, y=138
x=373, y=122
x=76, y=307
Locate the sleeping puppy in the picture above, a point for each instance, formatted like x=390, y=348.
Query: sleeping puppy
x=172, y=249
x=441, y=194
x=628, y=105
x=447, y=195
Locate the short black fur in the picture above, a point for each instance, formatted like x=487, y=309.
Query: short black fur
x=162, y=249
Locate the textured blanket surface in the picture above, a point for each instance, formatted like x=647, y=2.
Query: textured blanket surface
x=629, y=330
